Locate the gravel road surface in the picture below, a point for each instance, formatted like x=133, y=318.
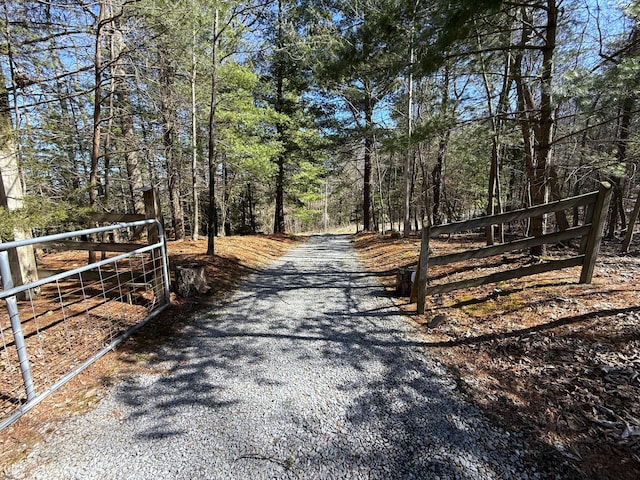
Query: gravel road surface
x=306, y=373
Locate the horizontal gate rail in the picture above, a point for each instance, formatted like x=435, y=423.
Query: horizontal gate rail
x=66, y=245
x=65, y=322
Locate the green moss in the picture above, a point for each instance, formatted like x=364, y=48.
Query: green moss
x=502, y=304
x=480, y=309
x=511, y=303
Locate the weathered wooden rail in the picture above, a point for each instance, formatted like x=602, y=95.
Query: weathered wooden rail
x=92, y=245
x=590, y=233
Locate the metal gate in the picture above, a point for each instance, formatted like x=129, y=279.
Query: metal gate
x=66, y=321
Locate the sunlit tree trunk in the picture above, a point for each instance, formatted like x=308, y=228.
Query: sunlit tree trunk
x=97, y=107
x=537, y=123
x=97, y=99
x=124, y=118
x=22, y=260
x=195, y=219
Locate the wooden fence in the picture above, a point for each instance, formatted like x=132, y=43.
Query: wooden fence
x=132, y=279
x=590, y=233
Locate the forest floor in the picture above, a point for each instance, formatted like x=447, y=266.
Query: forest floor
x=555, y=358
x=559, y=359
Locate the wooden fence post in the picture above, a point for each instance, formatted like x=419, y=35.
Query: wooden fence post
x=152, y=210
x=600, y=209
x=588, y=218
x=420, y=285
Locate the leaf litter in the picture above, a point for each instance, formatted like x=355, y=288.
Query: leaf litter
x=544, y=354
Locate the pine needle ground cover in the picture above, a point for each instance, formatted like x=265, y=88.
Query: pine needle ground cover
x=544, y=354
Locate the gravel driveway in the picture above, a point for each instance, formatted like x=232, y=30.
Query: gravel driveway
x=306, y=373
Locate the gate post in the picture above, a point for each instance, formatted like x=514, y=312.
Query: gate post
x=154, y=235
x=152, y=211
x=420, y=285
x=592, y=245
x=16, y=327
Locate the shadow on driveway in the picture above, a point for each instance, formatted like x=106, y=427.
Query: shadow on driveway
x=307, y=372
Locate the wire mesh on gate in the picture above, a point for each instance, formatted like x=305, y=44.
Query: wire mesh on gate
x=71, y=318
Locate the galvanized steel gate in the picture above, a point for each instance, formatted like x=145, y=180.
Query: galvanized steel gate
x=66, y=321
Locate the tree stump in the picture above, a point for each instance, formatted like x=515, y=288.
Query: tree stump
x=190, y=279
x=404, y=281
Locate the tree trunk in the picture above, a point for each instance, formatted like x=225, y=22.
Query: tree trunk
x=252, y=217
x=544, y=139
x=425, y=210
x=22, y=260
x=169, y=120
x=497, y=121
x=195, y=218
x=617, y=207
x=381, y=215
x=367, y=200
x=125, y=119
x=436, y=176
x=97, y=106
x=191, y=279
x=443, y=141
x=556, y=194
x=537, y=123
x=212, y=214
x=68, y=113
x=226, y=195
x=278, y=220
x=404, y=281
x=409, y=155
x=632, y=223
x=97, y=99
x=577, y=184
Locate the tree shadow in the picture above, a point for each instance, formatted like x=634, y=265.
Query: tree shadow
x=585, y=317
x=307, y=373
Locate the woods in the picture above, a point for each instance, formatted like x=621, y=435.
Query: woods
x=286, y=116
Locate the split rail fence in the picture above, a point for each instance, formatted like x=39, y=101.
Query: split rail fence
x=55, y=327
x=590, y=234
